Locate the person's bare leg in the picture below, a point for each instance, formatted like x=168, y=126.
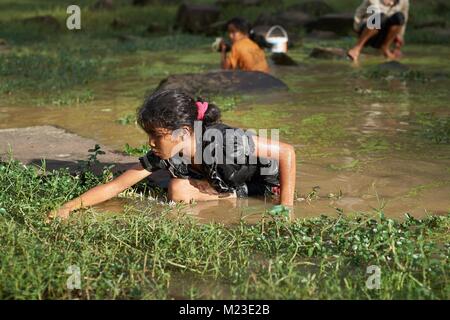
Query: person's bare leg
x=386, y=46
x=187, y=190
x=354, y=52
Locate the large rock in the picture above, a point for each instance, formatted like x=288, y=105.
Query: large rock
x=43, y=21
x=329, y=53
x=196, y=18
x=340, y=23
x=225, y=82
x=315, y=8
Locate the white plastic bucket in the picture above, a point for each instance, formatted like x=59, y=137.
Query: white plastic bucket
x=279, y=43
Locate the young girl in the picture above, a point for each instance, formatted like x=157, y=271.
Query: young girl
x=175, y=123
x=245, y=54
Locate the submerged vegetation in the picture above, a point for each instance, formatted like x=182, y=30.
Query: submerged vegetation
x=143, y=253
x=434, y=128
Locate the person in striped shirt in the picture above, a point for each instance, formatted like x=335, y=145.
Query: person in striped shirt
x=393, y=17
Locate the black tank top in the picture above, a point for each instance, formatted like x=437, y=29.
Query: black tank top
x=226, y=164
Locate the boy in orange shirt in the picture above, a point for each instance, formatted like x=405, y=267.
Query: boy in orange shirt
x=245, y=54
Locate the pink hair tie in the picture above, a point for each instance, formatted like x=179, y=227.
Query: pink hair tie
x=201, y=109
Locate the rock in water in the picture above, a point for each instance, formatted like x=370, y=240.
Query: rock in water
x=225, y=82
x=196, y=18
x=282, y=59
x=329, y=53
x=340, y=23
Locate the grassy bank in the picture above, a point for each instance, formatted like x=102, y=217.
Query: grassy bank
x=145, y=253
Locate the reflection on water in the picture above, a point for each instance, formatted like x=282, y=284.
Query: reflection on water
x=394, y=172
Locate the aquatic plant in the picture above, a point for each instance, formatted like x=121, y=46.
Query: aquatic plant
x=138, y=151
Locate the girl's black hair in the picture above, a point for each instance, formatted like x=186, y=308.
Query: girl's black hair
x=246, y=28
x=241, y=24
x=173, y=109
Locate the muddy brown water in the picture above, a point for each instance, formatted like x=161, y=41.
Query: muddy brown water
x=355, y=137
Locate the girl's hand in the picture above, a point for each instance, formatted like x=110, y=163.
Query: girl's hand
x=285, y=155
x=62, y=213
x=102, y=192
x=223, y=46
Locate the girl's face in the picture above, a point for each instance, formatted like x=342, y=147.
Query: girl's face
x=166, y=143
x=234, y=33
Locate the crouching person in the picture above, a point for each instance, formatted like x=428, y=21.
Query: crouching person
x=391, y=31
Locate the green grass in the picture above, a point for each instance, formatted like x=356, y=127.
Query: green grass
x=45, y=71
x=143, y=253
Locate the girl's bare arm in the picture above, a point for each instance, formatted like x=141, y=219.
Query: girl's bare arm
x=103, y=192
x=285, y=154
